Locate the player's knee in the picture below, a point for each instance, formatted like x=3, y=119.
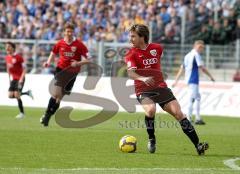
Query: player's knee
x=179, y=115
x=58, y=100
x=16, y=95
x=10, y=95
x=150, y=111
x=57, y=97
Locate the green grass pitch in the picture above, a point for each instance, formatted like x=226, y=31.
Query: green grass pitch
x=27, y=147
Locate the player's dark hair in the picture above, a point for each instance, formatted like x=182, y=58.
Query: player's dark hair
x=141, y=30
x=12, y=45
x=69, y=25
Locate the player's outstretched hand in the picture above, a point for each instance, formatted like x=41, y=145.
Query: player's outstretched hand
x=45, y=64
x=149, y=81
x=20, y=84
x=74, y=64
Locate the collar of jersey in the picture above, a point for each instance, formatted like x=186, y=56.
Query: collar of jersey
x=14, y=54
x=74, y=38
x=195, y=51
x=145, y=48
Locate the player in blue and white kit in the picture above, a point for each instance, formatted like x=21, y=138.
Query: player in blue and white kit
x=192, y=63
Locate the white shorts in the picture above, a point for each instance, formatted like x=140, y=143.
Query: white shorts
x=193, y=90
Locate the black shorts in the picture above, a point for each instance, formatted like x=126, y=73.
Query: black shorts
x=65, y=79
x=16, y=86
x=161, y=96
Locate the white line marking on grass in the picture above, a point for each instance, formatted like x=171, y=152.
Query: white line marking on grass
x=231, y=163
x=119, y=169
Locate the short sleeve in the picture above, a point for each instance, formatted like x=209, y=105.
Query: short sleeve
x=130, y=61
x=183, y=63
x=161, y=51
x=21, y=60
x=55, y=48
x=198, y=59
x=83, y=50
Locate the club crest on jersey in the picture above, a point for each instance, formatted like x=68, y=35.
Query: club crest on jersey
x=73, y=49
x=153, y=52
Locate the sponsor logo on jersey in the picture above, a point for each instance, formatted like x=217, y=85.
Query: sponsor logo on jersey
x=68, y=54
x=150, y=61
x=153, y=52
x=73, y=49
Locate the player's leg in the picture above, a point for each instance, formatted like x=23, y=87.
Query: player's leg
x=28, y=92
x=198, y=120
x=191, y=100
x=174, y=109
x=10, y=94
x=14, y=93
x=150, y=109
x=11, y=89
x=17, y=93
x=18, y=97
x=53, y=105
x=20, y=87
x=20, y=105
x=62, y=87
x=54, y=101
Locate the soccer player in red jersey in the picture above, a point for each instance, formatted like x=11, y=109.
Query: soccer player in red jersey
x=16, y=71
x=144, y=67
x=72, y=54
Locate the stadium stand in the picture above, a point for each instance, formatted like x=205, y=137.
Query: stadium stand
x=108, y=19
x=36, y=25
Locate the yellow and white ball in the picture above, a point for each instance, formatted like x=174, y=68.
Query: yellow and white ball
x=128, y=144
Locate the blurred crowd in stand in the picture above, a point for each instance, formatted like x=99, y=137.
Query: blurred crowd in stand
x=214, y=21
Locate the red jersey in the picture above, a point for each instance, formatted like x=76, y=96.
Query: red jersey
x=147, y=63
x=68, y=52
x=14, y=65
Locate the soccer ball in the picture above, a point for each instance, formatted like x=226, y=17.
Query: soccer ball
x=128, y=144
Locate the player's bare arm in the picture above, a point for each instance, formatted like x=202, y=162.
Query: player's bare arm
x=207, y=73
x=50, y=59
x=9, y=76
x=22, y=75
x=180, y=71
x=84, y=61
x=147, y=80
